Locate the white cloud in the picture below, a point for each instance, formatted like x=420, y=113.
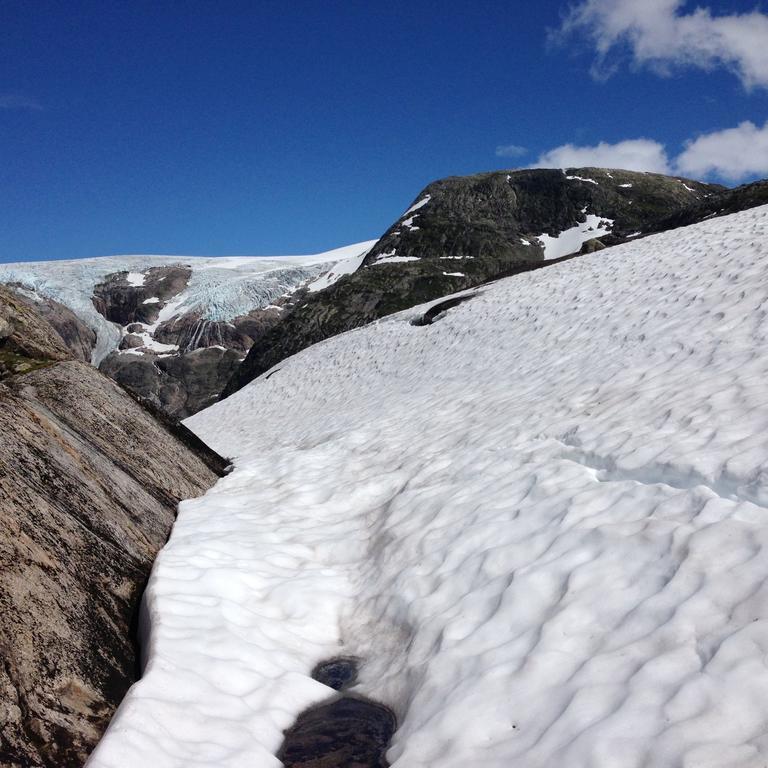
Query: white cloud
x=631, y=155
x=510, y=150
x=732, y=154
x=659, y=35
x=16, y=101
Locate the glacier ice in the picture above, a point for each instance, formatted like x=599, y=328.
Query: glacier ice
x=220, y=288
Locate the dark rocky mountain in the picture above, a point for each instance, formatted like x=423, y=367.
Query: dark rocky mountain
x=463, y=231
x=89, y=484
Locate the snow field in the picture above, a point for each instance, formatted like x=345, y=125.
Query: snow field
x=539, y=521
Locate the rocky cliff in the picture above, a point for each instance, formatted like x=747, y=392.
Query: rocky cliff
x=89, y=483
x=463, y=231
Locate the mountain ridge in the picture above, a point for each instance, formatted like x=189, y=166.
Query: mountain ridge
x=462, y=231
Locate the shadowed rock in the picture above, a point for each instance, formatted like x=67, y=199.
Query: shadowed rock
x=180, y=385
x=345, y=733
x=122, y=303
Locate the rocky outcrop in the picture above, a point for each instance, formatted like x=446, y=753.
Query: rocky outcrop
x=124, y=301
x=89, y=485
x=463, y=231
x=78, y=338
x=192, y=331
x=179, y=365
x=486, y=216
x=179, y=385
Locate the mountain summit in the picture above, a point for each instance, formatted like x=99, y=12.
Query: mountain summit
x=463, y=231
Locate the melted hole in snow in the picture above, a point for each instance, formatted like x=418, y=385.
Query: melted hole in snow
x=347, y=732
x=337, y=673
x=438, y=311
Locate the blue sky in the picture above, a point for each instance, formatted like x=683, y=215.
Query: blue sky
x=294, y=127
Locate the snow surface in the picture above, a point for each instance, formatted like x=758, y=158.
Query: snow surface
x=581, y=178
x=221, y=288
x=390, y=258
x=420, y=204
x=350, y=259
x=149, y=342
x=571, y=240
x=539, y=521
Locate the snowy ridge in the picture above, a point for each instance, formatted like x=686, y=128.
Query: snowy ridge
x=221, y=288
x=539, y=521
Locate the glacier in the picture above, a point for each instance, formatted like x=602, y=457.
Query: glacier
x=220, y=288
x=539, y=522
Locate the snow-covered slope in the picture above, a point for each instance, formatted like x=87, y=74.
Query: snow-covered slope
x=540, y=522
x=220, y=288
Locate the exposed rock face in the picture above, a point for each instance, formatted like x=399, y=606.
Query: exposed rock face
x=463, y=231
x=191, y=331
x=27, y=342
x=122, y=302
x=180, y=385
x=89, y=485
x=185, y=362
x=78, y=337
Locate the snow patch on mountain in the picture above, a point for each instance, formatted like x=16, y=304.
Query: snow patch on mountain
x=420, y=204
x=539, y=522
x=570, y=240
x=349, y=261
x=581, y=178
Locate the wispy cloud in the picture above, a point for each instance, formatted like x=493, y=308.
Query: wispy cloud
x=15, y=101
x=718, y=154
x=657, y=34
x=510, y=150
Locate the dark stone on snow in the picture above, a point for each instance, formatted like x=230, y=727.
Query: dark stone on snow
x=345, y=733
x=131, y=341
x=436, y=311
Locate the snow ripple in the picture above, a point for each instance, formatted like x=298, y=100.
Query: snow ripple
x=539, y=524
